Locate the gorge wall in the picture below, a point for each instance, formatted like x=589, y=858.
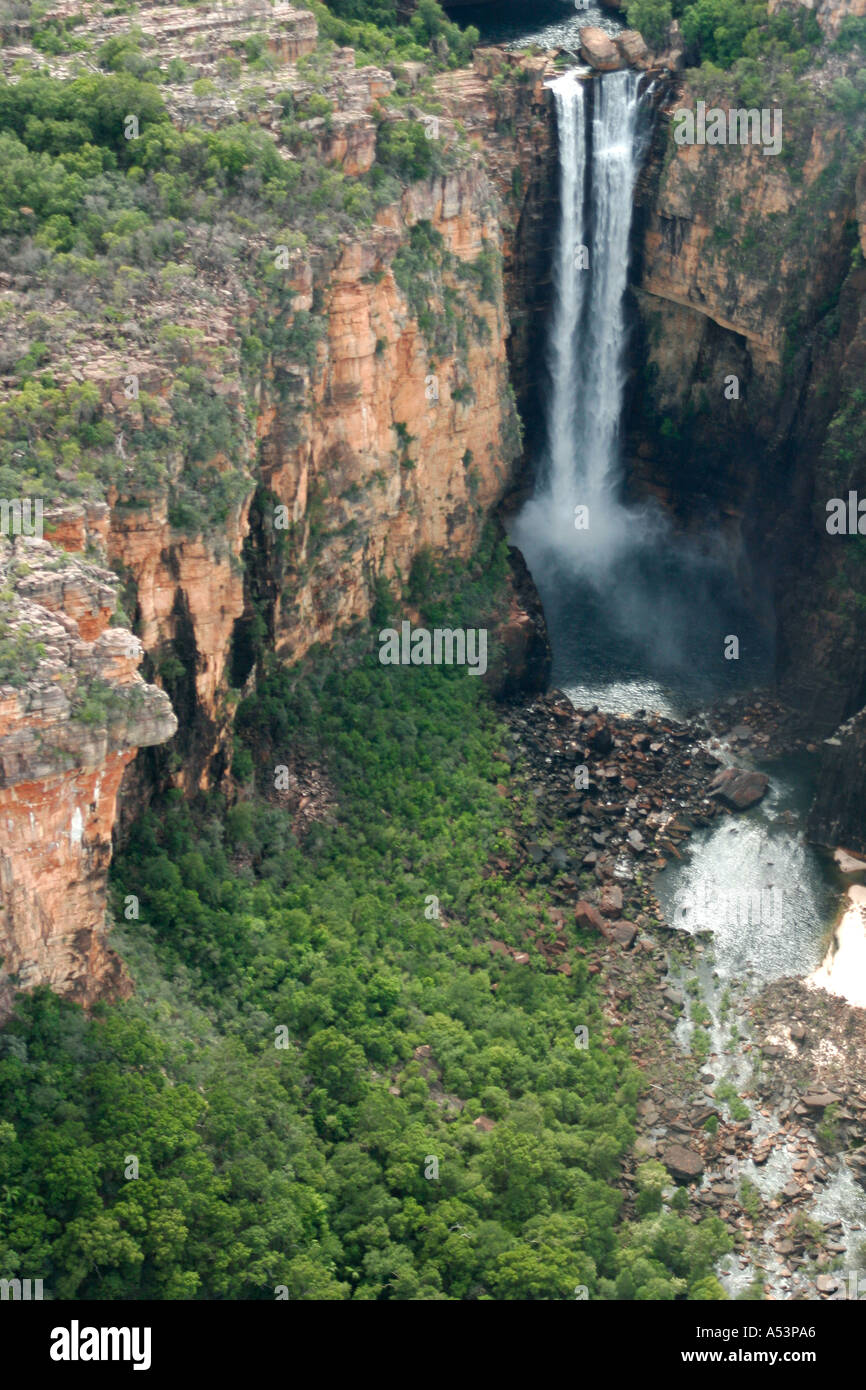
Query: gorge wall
x=751, y=267
x=300, y=418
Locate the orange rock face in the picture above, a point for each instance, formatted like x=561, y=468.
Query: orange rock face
x=53, y=867
x=693, y=280
x=402, y=444
x=189, y=588
x=73, y=710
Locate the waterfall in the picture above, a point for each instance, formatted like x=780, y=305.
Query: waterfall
x=568, y=281
x=630, y=601
x=587, y=340
x=614, y=171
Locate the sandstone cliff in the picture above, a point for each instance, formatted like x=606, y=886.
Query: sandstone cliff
x=73, y=711
x=746, y=398
x=748, y=346
x=280, y=419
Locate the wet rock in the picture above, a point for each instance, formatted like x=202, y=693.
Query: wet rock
x=739, y=788
x=601, y=738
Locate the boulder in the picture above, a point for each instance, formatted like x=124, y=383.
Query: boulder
x=632, y=47
x=849, y=863
x=623, y=933
x=588, y=917
x=683, y=1162
x=611, y=900
x=598, y=50
x=739, y=788
x=487, y=61
x=600, y=737
x=819, y=1100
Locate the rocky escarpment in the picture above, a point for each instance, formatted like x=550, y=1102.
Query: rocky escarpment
x=746, y=406
x=283, y=417
x=829, y=13
x=73, y=711
x=730, y=299
x=502, y=102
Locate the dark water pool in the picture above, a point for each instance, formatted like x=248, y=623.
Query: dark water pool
x=652, y=633
x=548, y=23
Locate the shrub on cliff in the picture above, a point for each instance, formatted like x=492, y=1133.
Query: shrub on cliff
x=652, y=18
x=723, y=31
x=372, y=29
x=56, y=117
x=403, y=149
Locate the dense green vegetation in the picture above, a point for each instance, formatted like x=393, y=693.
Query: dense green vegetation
x=371, y=28
x=724, y=30
x=266, y=1077
x=113, y=210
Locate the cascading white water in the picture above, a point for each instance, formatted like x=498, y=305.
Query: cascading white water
x=602, y=356
x=568, y=281
x=587, y=342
